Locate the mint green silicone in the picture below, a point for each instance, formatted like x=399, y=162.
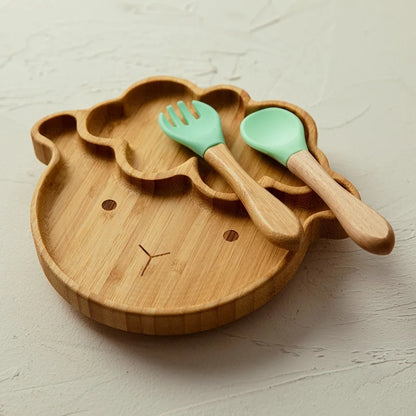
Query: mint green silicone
x=198, y=134
x=274, y=131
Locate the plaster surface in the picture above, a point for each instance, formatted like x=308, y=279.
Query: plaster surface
x=341, y=337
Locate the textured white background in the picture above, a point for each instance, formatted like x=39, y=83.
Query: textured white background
x=341, y=337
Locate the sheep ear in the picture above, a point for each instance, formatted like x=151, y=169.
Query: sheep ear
x=46, y=132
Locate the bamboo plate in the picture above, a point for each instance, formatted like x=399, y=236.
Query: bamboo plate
x=138, y=233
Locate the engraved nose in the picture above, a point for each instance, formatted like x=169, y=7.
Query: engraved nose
x=150, y=257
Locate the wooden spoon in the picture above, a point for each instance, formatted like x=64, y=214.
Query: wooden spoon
x=279, y=133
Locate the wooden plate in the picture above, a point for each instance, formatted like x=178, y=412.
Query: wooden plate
x=138, y=233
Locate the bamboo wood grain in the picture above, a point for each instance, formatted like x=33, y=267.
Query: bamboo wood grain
x=363, y=224
x=273, y=218
x=137, y=233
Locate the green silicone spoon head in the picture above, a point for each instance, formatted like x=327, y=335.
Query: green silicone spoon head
x=198, y=134
x=274, y=131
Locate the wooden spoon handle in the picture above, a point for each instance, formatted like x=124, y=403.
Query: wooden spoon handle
x=365, y=226
x=273, y=218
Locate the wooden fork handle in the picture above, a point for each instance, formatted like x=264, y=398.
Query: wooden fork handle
x=365, y=226
x=273, y=218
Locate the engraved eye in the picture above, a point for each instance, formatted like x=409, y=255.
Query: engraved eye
x=109, y=204
x=230, y=235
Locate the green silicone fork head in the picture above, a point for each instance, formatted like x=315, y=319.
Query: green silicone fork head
x=198, y=134
x=274, y=131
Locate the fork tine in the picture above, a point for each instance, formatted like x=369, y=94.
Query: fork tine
x=164, y=124
x=187, y=115
x=173, y=116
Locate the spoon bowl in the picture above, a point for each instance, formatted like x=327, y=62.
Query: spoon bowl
x=274, y=131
